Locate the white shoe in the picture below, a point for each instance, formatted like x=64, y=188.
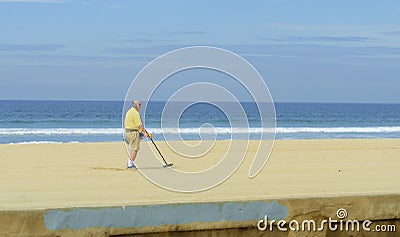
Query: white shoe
x=131, y=167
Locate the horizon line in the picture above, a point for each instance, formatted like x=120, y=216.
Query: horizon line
x=163, y=101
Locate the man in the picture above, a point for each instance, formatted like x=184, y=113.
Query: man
x=133, y=128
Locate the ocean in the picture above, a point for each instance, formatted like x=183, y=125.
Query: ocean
x=101, y=121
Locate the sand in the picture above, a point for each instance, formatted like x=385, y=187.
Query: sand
x=37, y=176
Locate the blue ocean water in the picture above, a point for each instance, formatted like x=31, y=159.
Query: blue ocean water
x=98, y=121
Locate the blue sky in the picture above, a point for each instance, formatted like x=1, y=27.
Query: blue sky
x=306, y=50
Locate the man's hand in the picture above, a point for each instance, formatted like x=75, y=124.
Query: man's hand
x=147, y=134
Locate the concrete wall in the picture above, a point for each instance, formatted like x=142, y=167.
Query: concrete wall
x=238, y=218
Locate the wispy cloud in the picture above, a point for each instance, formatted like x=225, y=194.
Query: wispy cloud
x=152, y=51
x=394, y=32
x=272, y=50
x=321, y=39
x=32, y=1
x=188, y=32
x=83, y=2
x=173, y=33
x=333, y=38
x=68, y=60
x=162, y=37
x=317, y=50
x=147, y=40
x=31, y=47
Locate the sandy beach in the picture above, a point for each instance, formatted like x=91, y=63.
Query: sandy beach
x=41, y=176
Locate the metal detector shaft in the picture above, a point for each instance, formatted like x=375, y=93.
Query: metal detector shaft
x=159, y=152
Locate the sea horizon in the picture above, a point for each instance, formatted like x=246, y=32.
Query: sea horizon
x=163, y=101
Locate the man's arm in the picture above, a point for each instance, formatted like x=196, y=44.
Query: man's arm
x=141, y=128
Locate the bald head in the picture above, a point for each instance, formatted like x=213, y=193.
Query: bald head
x=136, y=104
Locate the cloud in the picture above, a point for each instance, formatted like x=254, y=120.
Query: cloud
x=32, y=1
x=173, y=33
x=161, y=37
x=315, y=51
x=260, y=50
x=288, y=51
x=44, y=60
x=333, y=38
x=321, y=39
x=147, y=40
x=394, y=32
x=31, y=47
x=151, y=51
x=188, y=32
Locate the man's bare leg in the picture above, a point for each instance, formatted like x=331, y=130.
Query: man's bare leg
x=133, y=155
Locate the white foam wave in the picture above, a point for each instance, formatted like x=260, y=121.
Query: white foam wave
x=59, y=131
x=218, y=130
x=225, y=130
x=39, y=142
x=339, y=130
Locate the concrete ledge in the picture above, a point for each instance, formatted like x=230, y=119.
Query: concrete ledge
x=210, y=216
